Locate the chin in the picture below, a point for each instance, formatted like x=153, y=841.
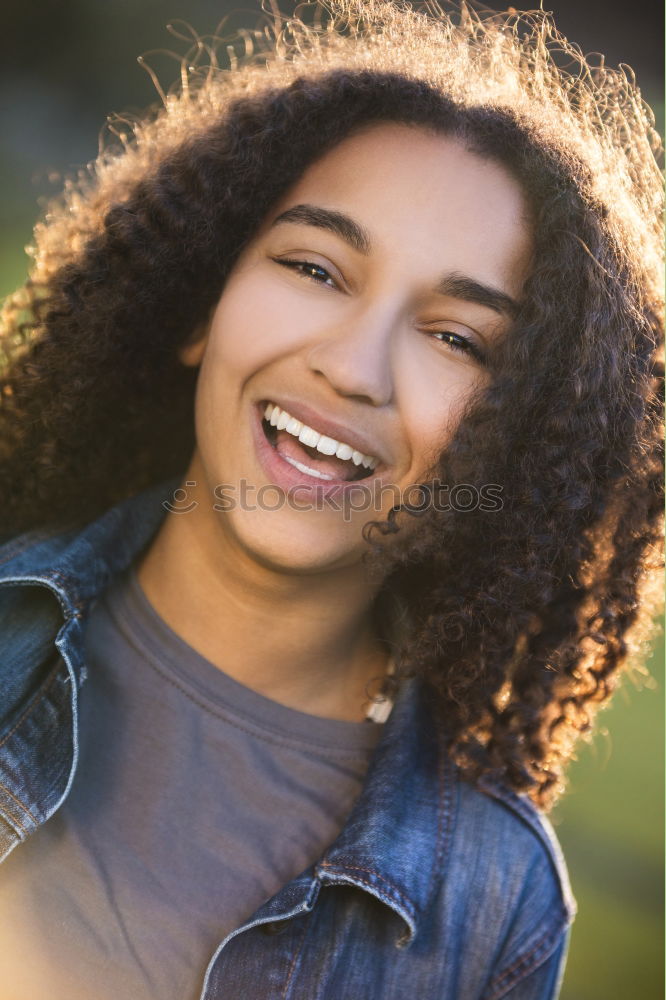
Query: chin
x=297, y=547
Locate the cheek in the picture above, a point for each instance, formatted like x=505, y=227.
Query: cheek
x=430, y=434
x=256, y=323
x=437, y=397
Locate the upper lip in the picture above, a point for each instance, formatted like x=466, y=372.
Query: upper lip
x=329, y=426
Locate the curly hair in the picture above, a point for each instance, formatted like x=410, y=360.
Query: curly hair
x=520, y=620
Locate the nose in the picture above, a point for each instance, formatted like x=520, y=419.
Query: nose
x=357, y=360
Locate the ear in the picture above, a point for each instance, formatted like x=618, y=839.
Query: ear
x=192, y=351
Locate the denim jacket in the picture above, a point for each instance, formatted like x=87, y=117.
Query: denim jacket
x=434, y=888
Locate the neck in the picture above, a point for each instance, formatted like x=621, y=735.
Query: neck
x=305, y=640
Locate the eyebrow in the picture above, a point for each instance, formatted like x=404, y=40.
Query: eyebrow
x=461, y=286
x=454, y=285
x=335, y=222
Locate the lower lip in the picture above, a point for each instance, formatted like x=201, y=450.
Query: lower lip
x=286, y=476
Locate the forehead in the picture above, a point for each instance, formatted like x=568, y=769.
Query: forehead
x=423, y=193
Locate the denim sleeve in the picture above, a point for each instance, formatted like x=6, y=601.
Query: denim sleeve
x=545, y=982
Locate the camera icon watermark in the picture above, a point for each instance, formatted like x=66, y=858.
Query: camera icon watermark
x=179, y=502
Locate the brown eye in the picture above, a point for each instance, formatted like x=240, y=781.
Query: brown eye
x=458, y=342
x=313, y=272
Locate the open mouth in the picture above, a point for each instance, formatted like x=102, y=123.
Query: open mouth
x=311, y=452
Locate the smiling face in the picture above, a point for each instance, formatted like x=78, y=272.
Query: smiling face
x=358, y=318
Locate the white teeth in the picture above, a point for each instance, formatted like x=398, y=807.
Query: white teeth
x=293, y=426
x=308, y=436
x=327, y=446
x=306, y=468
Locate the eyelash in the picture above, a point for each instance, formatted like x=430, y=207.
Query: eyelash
x=461, y=344
x=295, y=265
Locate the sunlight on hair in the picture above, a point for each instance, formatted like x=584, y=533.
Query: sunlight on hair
x=512, y=59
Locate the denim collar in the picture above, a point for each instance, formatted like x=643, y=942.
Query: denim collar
x=394, y=840
x=77, y=564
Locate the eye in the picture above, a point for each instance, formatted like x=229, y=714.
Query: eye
x=459, y=343
x=308, y=270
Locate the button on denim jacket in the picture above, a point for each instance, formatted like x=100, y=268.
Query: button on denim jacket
x=434, y=889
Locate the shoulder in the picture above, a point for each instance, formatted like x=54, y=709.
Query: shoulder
x=34, y=596
x=505, y=887
x=34, y=554
x=34, y=604
x=519, y=837
x=77, y=560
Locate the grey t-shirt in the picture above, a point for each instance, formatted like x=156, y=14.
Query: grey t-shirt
x=194, y=801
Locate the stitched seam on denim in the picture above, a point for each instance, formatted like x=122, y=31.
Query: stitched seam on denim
x=11, y=824
x=29, y=709
x=445, y=818
x=39, y=694
x=54, y=577
x=28, y=543
x=14, y=819
x=506, y=980
x=292, y=967
x=57, y=577
x=371, y=871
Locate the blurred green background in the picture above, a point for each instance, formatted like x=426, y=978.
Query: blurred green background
x=66, y=64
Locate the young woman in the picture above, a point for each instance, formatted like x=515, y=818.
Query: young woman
x=331, y=496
